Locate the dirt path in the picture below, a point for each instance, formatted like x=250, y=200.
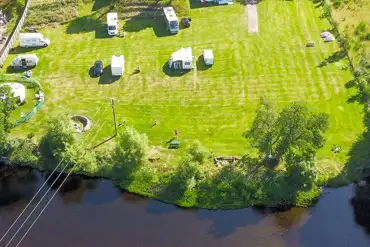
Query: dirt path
x=251, y=11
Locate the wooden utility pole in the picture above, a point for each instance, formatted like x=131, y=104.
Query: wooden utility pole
x=115, y=128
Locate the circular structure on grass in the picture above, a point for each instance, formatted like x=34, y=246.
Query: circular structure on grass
x=86, y=123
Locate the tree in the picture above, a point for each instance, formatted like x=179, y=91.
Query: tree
x=294, y=132
x=81, y=158
x=58, y=137
x=132, y=149
x=8, y=103
x=197, y=152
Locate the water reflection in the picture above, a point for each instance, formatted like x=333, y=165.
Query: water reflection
x=80, y=189
x=103, y=215
x=18, y=186
x=361, y=203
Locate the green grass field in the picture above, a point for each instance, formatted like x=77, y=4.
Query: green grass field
x=214, y=105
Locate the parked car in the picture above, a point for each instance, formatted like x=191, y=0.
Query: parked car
x=98, y=68
x=186, y=21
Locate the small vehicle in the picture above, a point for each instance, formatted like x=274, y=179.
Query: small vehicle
x=98, y=68
x=186, y=21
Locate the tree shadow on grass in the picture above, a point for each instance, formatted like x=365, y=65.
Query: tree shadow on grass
x=86, y=24
x=195, y=4
x=358, y=164
x=172, y=72
x=139, y=23
x=335, y=57
x=99, y=4
x=107, y=77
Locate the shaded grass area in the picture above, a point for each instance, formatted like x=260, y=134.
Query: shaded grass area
x=215, y=105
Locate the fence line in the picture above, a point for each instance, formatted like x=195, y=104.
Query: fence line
x=14, y=35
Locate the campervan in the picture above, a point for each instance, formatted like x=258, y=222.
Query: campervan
x=181, y=59
x=25, y=61
x=171, y=20
x=112, y=23
x=33, y=40
x=118, y=65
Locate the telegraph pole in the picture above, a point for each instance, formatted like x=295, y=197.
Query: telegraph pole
x=115, y=128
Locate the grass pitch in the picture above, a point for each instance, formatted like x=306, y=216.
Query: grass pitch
x=214, y=105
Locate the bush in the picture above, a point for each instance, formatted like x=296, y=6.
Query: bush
x=182, y=7
x=59, y=135
x=362, y=31
x=197, y=152
x=55, y=11
x=131, y=150
x=82, y=159
x=337, y=4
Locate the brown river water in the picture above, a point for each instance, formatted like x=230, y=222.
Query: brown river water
x=93, y=213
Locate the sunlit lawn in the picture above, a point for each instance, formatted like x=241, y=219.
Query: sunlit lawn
x=214, y=105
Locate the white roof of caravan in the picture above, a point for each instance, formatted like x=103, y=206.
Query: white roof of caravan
x=182, y=54
x=170, y=14
x=32, y=56
x=208, y=54
x=112, y=16
x=118, y=61
x=30, y=35
x=17, y=89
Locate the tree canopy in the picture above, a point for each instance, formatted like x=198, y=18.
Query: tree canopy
x=294, y=132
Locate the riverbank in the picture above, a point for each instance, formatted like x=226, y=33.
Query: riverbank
x=102, y=215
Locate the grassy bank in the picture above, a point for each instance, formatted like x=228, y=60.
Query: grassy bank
x=214, y=105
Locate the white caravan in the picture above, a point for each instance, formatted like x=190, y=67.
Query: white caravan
x=171, y=20
x=33, y=40
x=181, y=59
x=25, y=61
x=208, y=57
x=112, y=23
x=118, y=65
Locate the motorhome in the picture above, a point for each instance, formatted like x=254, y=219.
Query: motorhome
x=118, y=65
x=25, y=61
x=33, y=40
x=181, y=59
x=112, y=23
x=172, y=22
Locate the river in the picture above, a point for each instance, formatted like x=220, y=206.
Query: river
x=93, y=213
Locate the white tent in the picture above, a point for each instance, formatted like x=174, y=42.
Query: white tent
x=18, y=90
x=118, y=65
x=208, y=57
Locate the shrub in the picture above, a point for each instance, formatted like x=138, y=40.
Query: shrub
x=197, y=152
x=132, y=149
x=182, y=7
x=337, y=4
x=59, y=135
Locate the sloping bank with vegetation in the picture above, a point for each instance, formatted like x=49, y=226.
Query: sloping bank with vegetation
x=283, y=174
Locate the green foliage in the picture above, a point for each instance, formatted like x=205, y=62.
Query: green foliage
x=22, y=152
x=131, y=150
x=294, y=131
x=337, y=3
x=362, y=30
x=82, y=159
x=182, y=7
x=58, y=137
x=52, y=11
x=197, y=152
x=7, y=105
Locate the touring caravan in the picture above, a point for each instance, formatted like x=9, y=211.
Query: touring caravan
x=172, y=22
x=112, y=23
x=217, y=1
x=118, y=65
x=25, y=61
x=181, y=59
x=33, y=40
